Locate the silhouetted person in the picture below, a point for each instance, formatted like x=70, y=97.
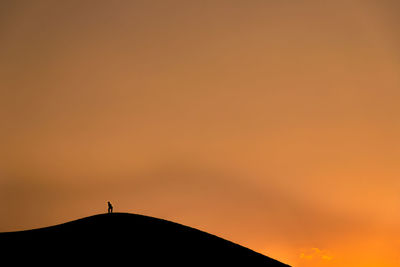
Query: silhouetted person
x=110, y=207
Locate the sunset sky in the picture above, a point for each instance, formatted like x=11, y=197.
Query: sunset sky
x=274, y=124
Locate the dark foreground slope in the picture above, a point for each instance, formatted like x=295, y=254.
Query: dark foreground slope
x=126, y=239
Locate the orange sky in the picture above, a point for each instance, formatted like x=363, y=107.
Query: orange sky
x=274, y=124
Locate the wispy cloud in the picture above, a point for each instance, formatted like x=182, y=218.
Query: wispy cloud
x=316, y=254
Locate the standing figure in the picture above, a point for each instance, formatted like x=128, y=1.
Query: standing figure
x=110, y=207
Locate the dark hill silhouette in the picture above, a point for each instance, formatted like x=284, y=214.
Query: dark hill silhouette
x=122, y=238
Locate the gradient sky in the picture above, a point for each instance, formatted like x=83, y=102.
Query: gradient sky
x=274, y=124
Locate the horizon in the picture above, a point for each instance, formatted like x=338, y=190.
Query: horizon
x=270, y=124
